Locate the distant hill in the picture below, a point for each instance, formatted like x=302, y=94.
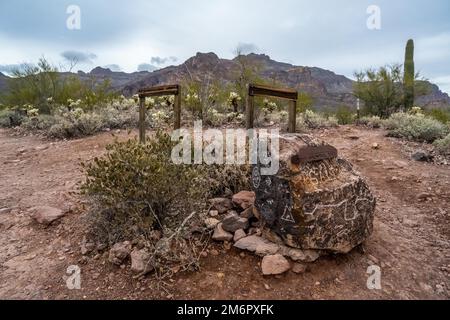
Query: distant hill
x=327, y=88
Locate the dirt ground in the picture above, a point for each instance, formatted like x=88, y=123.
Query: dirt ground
x=410, y=243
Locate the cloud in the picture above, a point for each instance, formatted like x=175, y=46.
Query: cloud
x=146, y=67
x=78, y=56
x=10, y=68
x=161, y=61
x=113, y=67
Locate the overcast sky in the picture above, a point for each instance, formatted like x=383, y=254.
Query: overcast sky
x=143, y=34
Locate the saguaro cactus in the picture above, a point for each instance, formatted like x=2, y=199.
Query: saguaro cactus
x=409, y=75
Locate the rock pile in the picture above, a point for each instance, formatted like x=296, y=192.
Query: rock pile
x=316, y=204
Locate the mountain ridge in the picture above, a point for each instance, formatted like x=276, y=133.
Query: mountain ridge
x=327, y=88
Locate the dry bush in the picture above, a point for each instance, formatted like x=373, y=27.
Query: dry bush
x=443, y=145
x=373, y=122
x=415, y=127
x=135, y=188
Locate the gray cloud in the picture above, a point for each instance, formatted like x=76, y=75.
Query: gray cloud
x=78, y=56
x=9, y=68
x=113, y=67
x=146, y=67
x=324, y=33
x=160, y=61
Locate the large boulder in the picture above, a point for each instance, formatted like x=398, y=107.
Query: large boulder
x=316, y=200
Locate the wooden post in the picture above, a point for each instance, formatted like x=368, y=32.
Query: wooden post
x=177, y=111
x=250, y=112
x=292, y=116
x=142, y=120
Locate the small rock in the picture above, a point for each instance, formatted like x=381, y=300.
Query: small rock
x=155, y=235
x=214, y=213
x=300, y=255
x=214, y=252
x=375, y=146
x=401, y=164
x=424, y=196
x=239, y=234
x=266, y=286
x=221, y=235
x=299, y=268
x=232, y=222
x=274, y=264
x=222, y=205
x=440, y=289
x=86, y=246
x=46, y=215
x=141, y=261
x=211, y=223
x=41, y=148
x=422, y=156
x=258, y=245
x=244, y=199
x=119, y=252
x=426, y=287
x=247, y=213
x=5, y=210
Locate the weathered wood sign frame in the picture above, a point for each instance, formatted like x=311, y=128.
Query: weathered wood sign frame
x=259, y=90
x=166, y=90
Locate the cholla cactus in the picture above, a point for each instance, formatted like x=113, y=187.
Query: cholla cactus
x=233, y=100
x=73, y=104
x=192, y=98
x=149, y=103
x=416, y=111
x=269, y=106
x=33, y=112
x=77, y=112
x=283, y=115
x=160, y=117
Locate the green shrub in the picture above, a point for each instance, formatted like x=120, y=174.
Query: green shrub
x=443, y=145
x=135, y=187
x=11, y=118
x=373, y=122
x=442, y=115
x=415, y=127
x=312, y=120
x=65, y=124
x=344, y=115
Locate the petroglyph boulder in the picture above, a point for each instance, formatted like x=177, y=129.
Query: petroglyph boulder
x=317, y=200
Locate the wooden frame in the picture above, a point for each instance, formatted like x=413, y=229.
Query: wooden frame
x=258, y=90
x=166, y=90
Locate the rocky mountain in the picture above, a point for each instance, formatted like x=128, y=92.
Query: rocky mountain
x=327, y=88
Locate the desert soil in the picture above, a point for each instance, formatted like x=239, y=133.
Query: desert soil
x=410, y=242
